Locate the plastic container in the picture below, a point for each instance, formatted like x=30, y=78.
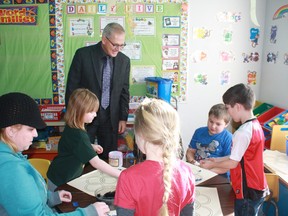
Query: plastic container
x=116, y=158
x=159, y=87
x=281, y=119
x=274, y=111
x=257, y=103
x=261, y=109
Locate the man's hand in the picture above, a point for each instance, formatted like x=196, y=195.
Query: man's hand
x=122, y=127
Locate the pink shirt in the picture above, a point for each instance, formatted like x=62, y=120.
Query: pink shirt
x=141, y=188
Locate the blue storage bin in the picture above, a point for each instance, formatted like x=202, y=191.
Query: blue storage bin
x=159, y=87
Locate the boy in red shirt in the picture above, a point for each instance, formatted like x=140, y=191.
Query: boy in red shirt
x=246, y=159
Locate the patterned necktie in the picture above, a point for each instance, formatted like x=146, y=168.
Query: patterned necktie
x=106, y=83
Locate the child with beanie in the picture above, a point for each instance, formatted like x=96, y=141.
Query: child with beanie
x=23, y=189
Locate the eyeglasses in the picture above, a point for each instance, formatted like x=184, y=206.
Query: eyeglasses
x=118, y=46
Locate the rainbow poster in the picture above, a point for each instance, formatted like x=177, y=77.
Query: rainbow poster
x=281, y=12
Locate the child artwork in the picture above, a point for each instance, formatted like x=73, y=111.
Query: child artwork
x=225, y=77
x=226, y=56
x=273, y=34
x=281, y=12
x=201, y=33
x=201, y=174
x=207, y=202
x=201, y=78
x=199, y=56
x=227, y=35
x=272, y=57
x=251, y=57
x=254, y=36
x=251, y=77
x=229, y=17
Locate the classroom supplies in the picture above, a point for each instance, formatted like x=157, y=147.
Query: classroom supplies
x=116, y=158
x=158, y=87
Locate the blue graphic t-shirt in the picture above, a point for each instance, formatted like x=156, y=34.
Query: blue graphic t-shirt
x=207, y=146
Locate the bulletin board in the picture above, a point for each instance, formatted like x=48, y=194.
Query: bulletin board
x=25, y=64
x=156, y=38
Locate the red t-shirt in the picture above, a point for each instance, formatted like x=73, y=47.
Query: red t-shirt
x=248, y=143
x=141, y=188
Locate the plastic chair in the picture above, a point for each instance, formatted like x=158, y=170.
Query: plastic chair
x=41, y=165
x=278, y=138
x=273, y=197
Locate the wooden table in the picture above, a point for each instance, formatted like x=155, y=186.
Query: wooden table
x=225, y=192
x=276, y=162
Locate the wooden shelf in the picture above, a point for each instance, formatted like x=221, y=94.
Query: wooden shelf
x=40, y=153
x=55, y=123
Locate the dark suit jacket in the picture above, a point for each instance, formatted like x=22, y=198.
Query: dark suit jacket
x=86, y=72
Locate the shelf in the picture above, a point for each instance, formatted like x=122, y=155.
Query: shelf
x=40, y=153
x=55, y=123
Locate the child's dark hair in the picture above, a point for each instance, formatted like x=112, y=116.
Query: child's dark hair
x=220, y=112
x=241, y=94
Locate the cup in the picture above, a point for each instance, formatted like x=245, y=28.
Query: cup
x=116, y=158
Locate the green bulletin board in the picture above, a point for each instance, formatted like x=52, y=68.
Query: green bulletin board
x=25, y=54
x=156, y=34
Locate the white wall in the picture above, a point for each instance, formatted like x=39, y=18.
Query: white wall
x=202, y=13
x=274, y=79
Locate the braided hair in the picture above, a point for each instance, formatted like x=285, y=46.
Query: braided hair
x=158, y=123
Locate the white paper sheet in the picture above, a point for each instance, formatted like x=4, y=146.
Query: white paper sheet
x=207, y=202
x=95, y=182
x=201, y=174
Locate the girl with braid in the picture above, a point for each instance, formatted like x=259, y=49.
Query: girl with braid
x=162, y=184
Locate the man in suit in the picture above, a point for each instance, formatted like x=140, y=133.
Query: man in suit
x=86, y=71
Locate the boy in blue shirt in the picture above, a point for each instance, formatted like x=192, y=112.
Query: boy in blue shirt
x=214, y=140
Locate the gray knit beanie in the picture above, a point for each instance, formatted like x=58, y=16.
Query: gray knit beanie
x=19, y=108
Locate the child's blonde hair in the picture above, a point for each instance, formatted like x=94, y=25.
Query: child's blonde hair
x=80, y=102
x=5, y=138
x=158, y=123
